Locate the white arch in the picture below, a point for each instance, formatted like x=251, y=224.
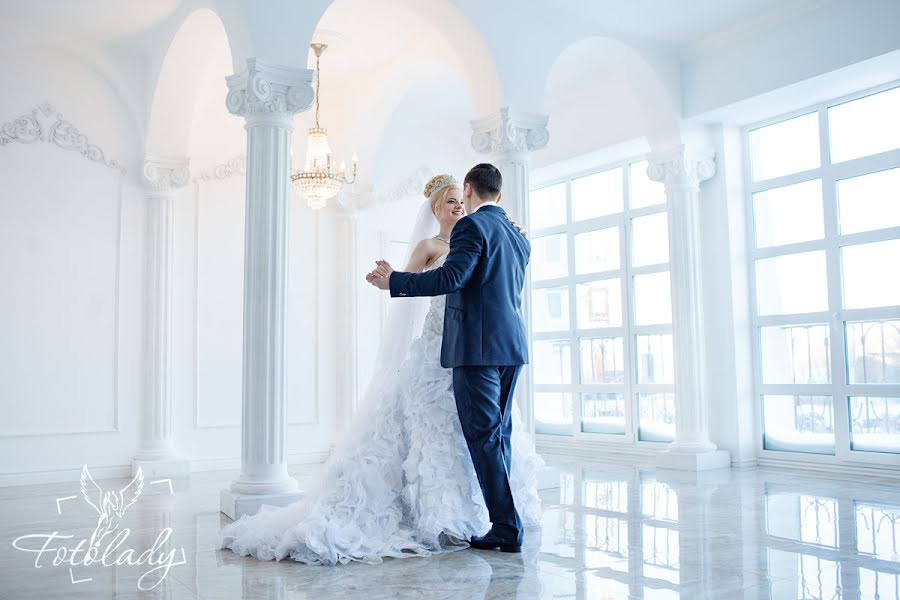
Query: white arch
x=599, y=55
x=374, y=110
x=466, y=50
x=175, y=94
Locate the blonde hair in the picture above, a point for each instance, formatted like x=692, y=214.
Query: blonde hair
x=437, y=188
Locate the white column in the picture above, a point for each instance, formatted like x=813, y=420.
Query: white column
x=157, y=455
x=682, y=169
x=267, y=96
x=508, y=141
x=346, y=265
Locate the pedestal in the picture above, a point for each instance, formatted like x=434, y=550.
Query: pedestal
x=694, y=461
x=234, y=505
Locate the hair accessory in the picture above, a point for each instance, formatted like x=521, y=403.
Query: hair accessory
x=439, y=181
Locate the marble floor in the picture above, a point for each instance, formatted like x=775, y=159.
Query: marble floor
x=609, y=531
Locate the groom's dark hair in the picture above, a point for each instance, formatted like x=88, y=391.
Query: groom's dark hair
x=485, y=180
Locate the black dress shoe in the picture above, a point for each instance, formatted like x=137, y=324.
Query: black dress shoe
x=492, y=541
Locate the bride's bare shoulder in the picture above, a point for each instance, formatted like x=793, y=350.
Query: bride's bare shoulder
x=424, y=255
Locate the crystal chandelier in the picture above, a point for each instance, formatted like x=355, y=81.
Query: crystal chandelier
x=317, y=182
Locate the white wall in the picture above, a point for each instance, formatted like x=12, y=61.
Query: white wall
x=70, y=262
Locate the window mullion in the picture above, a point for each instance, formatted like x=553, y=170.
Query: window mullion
x=835, y=301
x=631, y=405
x=575, y=365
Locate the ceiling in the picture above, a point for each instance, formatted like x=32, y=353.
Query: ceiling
x=670, y=21
x=106, y=20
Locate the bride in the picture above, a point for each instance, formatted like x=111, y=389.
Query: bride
x=402, y=481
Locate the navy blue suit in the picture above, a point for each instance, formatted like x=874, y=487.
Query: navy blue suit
x=484, y=343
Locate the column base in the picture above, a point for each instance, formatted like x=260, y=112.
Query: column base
x=161, y=467
x=234, y=505
x=694, y=461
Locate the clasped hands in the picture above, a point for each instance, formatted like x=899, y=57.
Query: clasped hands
x=381, y=276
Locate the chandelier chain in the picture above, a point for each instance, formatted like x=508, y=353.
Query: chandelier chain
x=318, y=79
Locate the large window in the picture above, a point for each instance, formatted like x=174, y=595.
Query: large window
x=824, y=208
x=601, y=306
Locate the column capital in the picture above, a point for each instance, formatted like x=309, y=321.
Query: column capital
x=682, y=166
x=165, y=174
x=266, y=89
x=510, y=135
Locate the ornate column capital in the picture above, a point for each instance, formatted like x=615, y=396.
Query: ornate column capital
x=682, y=166
x=266, y=89
x=164, y=174
x=502, y=134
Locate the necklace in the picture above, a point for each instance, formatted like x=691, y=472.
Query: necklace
x=437, y=237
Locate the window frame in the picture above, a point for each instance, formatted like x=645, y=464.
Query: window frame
x=835, y=316
x=627, y=331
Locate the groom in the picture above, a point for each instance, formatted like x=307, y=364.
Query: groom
x=484, y=338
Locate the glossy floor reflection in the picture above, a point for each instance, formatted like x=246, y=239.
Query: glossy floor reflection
x=609, y=531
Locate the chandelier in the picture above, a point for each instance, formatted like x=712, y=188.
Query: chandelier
x=318, y=182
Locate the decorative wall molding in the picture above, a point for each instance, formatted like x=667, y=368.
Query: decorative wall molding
x=165, y=174
x=317, y=379
x=117, y=309
x=68, y=474
x=45, y=124
x=233, y=167
x=503, y=135
x=196, y=325
x=9, y=479
x=60, y=474
x=347, y=254
x=264, y=88
x=412, y=185
x=219, y=173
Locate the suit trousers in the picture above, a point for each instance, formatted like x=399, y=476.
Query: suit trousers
x=484, y=397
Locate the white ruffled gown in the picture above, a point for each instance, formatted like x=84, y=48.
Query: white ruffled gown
x=402, y=484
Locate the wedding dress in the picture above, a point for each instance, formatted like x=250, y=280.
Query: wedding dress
x=402, y=484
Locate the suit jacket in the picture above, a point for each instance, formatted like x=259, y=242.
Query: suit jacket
x=483, y=278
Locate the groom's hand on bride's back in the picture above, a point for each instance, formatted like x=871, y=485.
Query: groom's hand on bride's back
x=381, y=276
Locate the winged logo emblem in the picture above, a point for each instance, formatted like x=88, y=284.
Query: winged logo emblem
x=109, y=504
